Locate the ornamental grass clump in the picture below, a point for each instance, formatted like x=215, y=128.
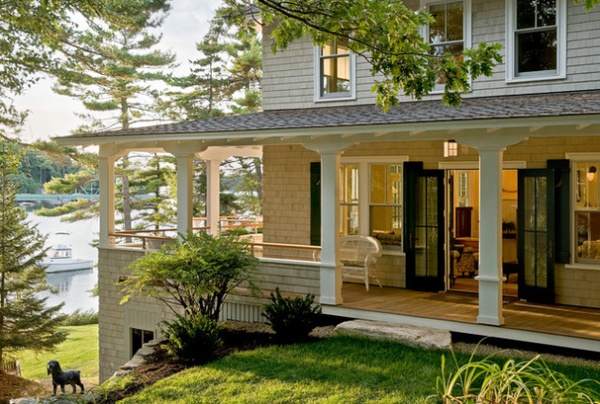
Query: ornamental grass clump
x=530, y=381
x=292, y=319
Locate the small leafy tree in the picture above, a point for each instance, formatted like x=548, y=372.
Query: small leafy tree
x=196, y=273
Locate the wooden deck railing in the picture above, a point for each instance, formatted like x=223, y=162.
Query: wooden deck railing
x=153, y=239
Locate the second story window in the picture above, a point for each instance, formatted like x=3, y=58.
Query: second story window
x=446, y=33
x=335, y=67
x=450, y=32
x=536, y=39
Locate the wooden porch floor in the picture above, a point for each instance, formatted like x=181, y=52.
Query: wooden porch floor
x=566, y=326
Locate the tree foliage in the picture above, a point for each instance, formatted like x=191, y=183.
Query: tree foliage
x=195, y=274
x=150, y=183
x=25, y=321
x=29, y=43
x=114, y=69
x=387, y=34
x=226, y=76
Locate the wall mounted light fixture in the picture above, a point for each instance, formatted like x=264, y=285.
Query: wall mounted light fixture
x=591, y=173
x=450, y=148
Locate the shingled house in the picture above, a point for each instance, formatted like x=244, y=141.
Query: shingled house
x=508, y=182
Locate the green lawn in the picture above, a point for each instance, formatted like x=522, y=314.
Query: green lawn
x=334, y=370
x=79, y=351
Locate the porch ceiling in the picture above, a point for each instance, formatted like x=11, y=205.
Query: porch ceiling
x=556, y=114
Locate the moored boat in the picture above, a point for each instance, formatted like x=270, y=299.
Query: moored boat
x=60, y=258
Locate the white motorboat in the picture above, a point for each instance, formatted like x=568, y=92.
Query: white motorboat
x=60, y=258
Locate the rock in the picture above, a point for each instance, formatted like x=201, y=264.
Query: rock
x=418, y=336
x=139, y=358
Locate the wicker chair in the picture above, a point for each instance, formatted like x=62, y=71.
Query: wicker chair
x=358, y=255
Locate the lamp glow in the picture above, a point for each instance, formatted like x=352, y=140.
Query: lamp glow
x=450, y=148
x=591, y=173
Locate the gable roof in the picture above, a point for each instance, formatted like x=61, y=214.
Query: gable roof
x=566, y=108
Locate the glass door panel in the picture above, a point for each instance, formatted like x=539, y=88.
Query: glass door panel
x=424, y=201
x=536, y=212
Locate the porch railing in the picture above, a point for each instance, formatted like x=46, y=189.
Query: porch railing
x=155, y=238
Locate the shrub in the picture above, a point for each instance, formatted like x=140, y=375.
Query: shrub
x=193, y=339
x=292, y=319
x=196, y=273
x=79, y=317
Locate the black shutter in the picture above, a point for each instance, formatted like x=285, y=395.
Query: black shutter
x=315, y=203
x=562, y=211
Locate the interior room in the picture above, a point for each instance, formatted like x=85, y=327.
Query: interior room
x=464, y=246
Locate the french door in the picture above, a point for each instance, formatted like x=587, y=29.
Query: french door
x=424, y=227
x=536, y=235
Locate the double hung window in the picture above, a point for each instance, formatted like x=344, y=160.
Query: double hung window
x=536, y=39
x=335, y=67
x=385, y=209
x=371, y=200
x=586, y=217
x=446, y=33
x=450, y=32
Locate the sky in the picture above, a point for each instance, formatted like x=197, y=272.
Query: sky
x=52, y=115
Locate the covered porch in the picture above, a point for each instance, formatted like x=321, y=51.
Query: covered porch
x=554, y=325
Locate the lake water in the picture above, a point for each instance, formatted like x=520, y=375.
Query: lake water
x=73, y=287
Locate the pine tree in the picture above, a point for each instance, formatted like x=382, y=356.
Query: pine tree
x=25, y=321
x=117, y=73
x=148, y=186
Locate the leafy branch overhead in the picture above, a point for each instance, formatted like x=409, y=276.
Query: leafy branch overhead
x=388, y=34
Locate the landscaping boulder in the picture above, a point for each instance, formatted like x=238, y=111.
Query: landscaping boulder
x=413, y=335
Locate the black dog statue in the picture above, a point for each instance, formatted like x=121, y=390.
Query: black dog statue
x=60, y=378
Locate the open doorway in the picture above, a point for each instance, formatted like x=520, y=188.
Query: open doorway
x=463, y=255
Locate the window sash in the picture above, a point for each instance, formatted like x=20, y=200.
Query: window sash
x=586, y=213
x=335, y=76
x=536, y=40
x=371, y=199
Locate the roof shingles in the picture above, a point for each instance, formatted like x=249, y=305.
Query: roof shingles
x=506, y=107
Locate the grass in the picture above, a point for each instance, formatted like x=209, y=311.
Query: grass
x=334, y=370
x=79, y=351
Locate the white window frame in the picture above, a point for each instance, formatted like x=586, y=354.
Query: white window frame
x=561, y=49
x=467, y=28
x=575, y=158
x=364, y=194
x=347, y=96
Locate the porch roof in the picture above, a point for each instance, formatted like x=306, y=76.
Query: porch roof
x=575, y=109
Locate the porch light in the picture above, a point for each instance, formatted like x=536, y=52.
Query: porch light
x=450, y=148
x=591, y=173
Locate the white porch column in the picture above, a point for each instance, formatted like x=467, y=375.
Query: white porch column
x=184, y=152
x=491, y=148
x=213, y=157
x=106, y=168
x=213, y=192
x=185, y=187
x=331, y=273
x=490, y=235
